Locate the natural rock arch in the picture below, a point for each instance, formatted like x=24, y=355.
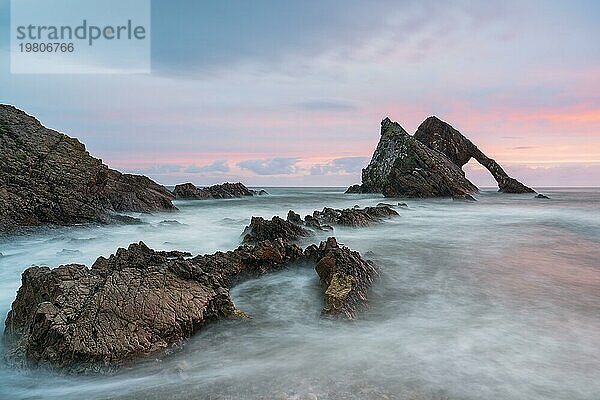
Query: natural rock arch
x=441, y=136
x=427, y=164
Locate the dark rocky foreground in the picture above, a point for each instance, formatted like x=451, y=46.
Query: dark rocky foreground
x=428, y=164
x=47, y=177
x=224, y=191
x=294, y=227
x=139, y=301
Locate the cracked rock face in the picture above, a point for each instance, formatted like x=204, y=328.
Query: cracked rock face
x=139, y=301
x=441, y=136
x=294, y=227
x=134, y=303
x=346, y=277
x=354, y=217
x=403, y=166
x=223, y=191
x=428, y=164
x=263, y=229
x=47, y=177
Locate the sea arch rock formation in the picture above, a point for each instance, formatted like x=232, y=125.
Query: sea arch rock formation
x=427, y=164
x=441, y=136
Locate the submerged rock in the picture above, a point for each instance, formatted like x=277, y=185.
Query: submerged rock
x=223, y=191
x=47, y=177
x=542, y=196
x=134, y=303
x=346, y=277
x=428, y=164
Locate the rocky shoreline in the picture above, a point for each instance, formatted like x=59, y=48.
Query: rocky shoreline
x=47, y=177
x=139, y=301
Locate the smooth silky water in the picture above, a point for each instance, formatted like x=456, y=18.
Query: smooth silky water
x=494, y=299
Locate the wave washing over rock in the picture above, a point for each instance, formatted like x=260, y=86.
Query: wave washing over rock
x=435, y=307
x=428, y=164
x=47, y=177
x=449, y=318
x=140, y=301
x=294, y=228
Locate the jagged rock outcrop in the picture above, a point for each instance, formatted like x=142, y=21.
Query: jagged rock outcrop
x=355, y=217
x=263, y=229
x=346, y=277
x=428, y=164
x=464, y=198
x=356, y=189
x=223, y=191
x=441, y=136
x=294, y=227
x=403, y=166
x=47, y=177
x=134, y=303
x=140, y=301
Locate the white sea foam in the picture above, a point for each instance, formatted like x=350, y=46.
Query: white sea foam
x=494, y=299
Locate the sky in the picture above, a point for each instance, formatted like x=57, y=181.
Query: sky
x=292, y=93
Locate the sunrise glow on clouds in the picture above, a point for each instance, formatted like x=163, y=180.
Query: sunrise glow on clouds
x=297, y=100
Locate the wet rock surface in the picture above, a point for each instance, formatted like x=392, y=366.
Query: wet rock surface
x=354, y=217
x=263, y=229
x=345, y=276
x=47, y=177
x=428, y=164
x=140, y=301
x=294, y=227
x=223, y=191
x=134, y=303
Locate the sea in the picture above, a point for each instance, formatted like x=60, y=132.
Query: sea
x=493, y=299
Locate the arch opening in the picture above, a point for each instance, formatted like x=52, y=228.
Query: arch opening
x=479, y=175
